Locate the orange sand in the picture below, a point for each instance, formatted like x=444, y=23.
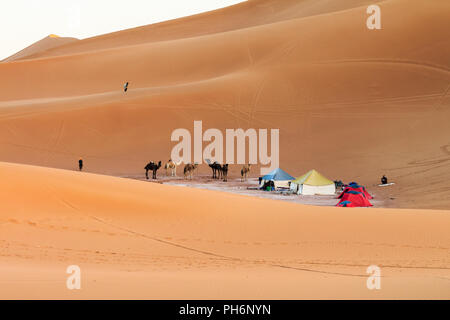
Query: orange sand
x=374, y=102
x=135, y=239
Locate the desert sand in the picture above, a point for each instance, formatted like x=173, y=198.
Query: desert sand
x=134, y=239
x=350, y=102
x=353, y=103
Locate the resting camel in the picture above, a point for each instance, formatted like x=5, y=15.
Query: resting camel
x=189, y=170
x=245, y=171
x=172, y=166
x=153, y=167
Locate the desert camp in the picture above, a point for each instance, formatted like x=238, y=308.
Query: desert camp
x=312, y=186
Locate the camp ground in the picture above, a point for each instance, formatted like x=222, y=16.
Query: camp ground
x=313, y=183
x=310, y=188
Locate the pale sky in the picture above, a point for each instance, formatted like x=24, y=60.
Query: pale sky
x=23, y=22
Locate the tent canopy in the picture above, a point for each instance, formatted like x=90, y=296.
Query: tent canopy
x=278, y=175
x=359, y=189
x=313, y=178
x=354, y=199
x=312, y=183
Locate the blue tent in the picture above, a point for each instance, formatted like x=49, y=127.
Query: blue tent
x=280, y=177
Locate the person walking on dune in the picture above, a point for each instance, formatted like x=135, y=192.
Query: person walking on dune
x=125, y=87
x=80, y=164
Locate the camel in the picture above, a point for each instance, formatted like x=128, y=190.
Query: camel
x=189, y=170
x=216, y=169
x=172, y=166
x=224, y=171
x=245, y=171
x=219, y=171
x=153, y=167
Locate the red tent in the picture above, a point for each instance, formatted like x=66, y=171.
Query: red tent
x=359, y=189
x=354, y=200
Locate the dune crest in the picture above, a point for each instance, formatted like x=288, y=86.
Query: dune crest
x=50, y=42
x=243, y=15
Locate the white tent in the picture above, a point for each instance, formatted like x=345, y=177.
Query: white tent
x=313, y=183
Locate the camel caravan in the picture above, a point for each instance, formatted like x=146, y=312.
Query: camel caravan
x=219, y=172
x=311, y=183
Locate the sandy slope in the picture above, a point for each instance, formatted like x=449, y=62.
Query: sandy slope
x=352, y=103
x=39, y=47
x=243, y=15
x=143, y=240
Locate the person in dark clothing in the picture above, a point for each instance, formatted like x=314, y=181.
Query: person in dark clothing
x=272, y=185
x=80, y=164
x=384, y=180
x=125, y=87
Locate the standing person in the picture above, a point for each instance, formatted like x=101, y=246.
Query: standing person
x=125, y=87
x=80, y=164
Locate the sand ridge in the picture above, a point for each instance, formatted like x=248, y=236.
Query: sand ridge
x=39, y=47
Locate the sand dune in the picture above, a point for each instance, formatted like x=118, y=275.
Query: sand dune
x=118, y=229
x=50, y=42
x=373, y=102
x=352, y=103
x=243, y=15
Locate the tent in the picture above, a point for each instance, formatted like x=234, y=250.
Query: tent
x=312, y=183
x=358, y=189
x=279, y=177
x=354, y=199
